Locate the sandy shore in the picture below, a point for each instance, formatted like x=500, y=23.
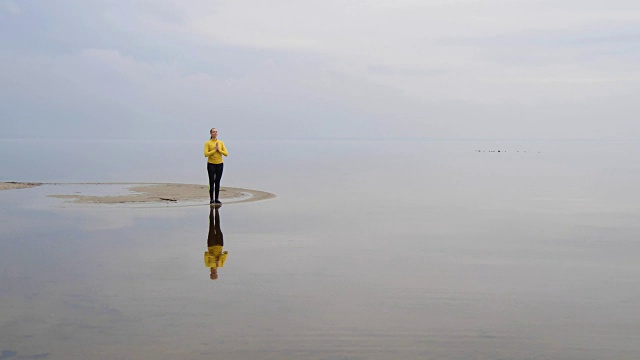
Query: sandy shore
x=153, y=193
x=16, y=185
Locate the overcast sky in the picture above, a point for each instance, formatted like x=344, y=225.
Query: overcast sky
x=165, y=69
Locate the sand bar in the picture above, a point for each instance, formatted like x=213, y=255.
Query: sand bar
x=12, y=185
x=140, y=193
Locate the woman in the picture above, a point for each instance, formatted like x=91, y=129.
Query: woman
x=213, y=151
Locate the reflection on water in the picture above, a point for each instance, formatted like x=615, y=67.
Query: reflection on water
x=214, y=257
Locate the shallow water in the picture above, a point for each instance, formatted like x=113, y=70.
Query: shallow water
x=371, y=250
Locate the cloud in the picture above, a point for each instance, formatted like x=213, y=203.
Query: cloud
x=445, y=46
x=105, y=93
x=11, y=7
x=333, y=68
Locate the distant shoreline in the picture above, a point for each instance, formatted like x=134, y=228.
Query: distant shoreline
x=150, y=193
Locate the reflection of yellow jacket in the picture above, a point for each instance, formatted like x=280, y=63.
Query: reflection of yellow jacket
x=215, y=253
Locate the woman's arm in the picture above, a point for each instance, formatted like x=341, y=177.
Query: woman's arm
x=208, y=153
x=222, y=149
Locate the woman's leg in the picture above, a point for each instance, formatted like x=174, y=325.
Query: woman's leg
x=219, y=169
x=212, y=177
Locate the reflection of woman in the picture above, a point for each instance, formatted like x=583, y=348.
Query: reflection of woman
x=213, y=151
x=214, y=257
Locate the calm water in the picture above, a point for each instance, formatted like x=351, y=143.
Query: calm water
x=371, y=250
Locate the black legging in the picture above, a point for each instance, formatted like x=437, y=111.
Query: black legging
x=215, y=233
x=215, y=174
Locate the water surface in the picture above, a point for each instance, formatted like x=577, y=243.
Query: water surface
x=371, y=250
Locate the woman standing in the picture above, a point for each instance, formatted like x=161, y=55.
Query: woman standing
x=213, y=151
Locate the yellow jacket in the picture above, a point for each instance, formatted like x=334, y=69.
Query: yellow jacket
x=215, y=156
x=215, y=257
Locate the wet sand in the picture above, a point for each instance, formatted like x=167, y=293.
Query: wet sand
x=152, y=193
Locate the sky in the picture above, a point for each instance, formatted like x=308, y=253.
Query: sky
x=292, y=69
